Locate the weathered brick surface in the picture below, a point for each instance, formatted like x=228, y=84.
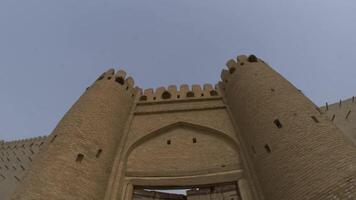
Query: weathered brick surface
x=304, y=158
x=94, y=123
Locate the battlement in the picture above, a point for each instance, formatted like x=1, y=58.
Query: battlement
x=235, y=64
x=184, y=92
x=120, y=77
x=342, y=114
x=172, y=92
x=342, y=103
x=21, y=142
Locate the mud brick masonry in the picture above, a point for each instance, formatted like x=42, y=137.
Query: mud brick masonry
x=252, y=136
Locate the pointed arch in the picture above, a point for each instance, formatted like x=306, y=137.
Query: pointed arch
x=228, y=139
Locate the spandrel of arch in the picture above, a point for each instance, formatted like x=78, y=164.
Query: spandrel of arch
x=166, y=128
x=195, y=160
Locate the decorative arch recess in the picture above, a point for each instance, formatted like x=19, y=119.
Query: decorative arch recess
x=182, y=149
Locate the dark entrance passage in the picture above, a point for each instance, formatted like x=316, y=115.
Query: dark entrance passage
x=144, y=194
x=223, y=191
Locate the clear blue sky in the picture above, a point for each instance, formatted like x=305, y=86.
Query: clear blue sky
x=51, y=50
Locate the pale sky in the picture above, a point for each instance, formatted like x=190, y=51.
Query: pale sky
x=51, y=50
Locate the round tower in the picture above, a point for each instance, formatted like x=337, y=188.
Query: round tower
x=77, y=159
x=295, y=152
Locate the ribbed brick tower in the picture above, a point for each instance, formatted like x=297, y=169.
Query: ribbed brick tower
x=295, y=151
x=77, y=159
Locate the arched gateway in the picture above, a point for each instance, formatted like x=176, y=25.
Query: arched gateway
x=180, y=143
x=184, y=155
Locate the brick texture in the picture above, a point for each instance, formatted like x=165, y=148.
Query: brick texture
x=70, y=167
x=297, y=152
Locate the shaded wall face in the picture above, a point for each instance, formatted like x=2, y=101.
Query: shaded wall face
x=296, y=152
x=77, y=161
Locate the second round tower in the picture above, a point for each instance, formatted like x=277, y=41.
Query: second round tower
x=295, y=151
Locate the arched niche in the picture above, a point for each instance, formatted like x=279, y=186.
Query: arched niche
x=182, y=149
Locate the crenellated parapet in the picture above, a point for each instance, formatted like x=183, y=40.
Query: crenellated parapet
x=182, y=93
x=343, y=115
x=234, y=65
x=120, y=79
x=13, y=151
x=14, y=144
